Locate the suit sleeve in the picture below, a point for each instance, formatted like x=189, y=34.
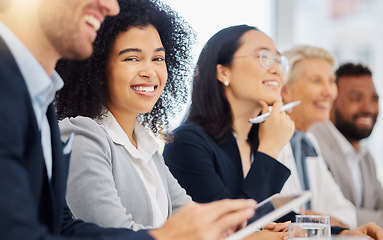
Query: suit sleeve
x=375, y=213
x=191, y=159
x=330, y=197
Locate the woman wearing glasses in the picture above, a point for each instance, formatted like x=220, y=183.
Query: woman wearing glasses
x=216, y=153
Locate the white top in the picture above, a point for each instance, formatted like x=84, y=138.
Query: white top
x=41, y=87
x=353, y=162
x=104, y=186
x=327, y=198
x=142, y=160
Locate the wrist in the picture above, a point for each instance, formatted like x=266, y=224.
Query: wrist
x=157, y=234
x=268, y=151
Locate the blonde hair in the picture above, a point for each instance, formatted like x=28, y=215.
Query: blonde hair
x=304, y=52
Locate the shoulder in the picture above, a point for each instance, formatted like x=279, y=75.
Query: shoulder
x=83, y=126
x=320, y=130
x=79, y=122
x=189, y=132
x=16, y=112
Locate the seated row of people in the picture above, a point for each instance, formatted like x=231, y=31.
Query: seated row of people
x=136, y=79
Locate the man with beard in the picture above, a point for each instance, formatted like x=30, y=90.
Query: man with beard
x=353, y=117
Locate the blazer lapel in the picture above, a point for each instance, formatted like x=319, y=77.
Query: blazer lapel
x=337, y=163
x=230, y=147
x=46, y=199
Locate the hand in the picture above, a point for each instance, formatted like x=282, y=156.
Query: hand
x=370, y=230
x=206, y=221
x=277, y=227
x=267, y=235
x=276, y=131
x=333, y=221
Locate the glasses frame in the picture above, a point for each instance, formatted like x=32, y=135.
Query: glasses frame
x=267, y=60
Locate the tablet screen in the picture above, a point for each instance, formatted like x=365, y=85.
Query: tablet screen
x=271, y=204
x=271, y=209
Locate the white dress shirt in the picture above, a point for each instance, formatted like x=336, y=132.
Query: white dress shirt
x=143, y=163
x=41, y=87
x=353, y=162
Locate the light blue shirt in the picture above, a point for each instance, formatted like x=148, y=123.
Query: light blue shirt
x=41, y=87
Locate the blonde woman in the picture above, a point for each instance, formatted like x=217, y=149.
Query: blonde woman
x=311, y=80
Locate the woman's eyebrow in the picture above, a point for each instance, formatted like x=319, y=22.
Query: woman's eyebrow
x=161, y=49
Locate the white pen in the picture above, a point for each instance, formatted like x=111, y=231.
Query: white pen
x=263, y=117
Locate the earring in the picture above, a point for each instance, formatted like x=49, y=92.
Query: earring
x=226, y=83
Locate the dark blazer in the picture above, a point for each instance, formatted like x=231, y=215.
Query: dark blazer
x=209, y=171
x=31, y=206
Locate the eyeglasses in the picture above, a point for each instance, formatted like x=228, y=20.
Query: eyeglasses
x=267, y=60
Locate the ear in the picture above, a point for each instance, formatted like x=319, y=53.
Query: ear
x=223, y=74
x=286, y=94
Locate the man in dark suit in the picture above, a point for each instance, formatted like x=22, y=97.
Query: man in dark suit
x=34, y=34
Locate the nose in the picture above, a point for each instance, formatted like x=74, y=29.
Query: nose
x=147, y=70
x=110, y=7
x=275, y=68
x=330, y=90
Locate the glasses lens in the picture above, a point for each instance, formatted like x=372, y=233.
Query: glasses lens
x=266, y=58
x=284, y=64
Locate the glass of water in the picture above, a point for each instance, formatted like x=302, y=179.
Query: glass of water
x=309, y=227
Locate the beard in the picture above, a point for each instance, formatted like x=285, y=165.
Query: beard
x=349, y=129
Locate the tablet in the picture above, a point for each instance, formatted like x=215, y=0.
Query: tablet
x=270, y=210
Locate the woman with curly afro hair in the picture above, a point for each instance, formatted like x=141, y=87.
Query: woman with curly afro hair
x=135, y=79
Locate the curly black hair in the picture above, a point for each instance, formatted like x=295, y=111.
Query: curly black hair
x=85, y=93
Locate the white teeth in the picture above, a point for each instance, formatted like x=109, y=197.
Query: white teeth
x=272, y=83
x=92, y=21
x=364, y=120
x=323, y=104
x=143, y=89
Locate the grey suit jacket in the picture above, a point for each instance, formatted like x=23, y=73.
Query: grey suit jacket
x=103, y=185
x=372, y=200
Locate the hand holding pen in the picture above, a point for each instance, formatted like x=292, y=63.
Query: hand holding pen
x=284, y=108
x=276, y=132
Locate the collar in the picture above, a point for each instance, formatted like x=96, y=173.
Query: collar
x=41, y=87
x=345, y=146
x=146, y=144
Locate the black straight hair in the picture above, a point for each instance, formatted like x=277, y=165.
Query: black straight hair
x=210, y=107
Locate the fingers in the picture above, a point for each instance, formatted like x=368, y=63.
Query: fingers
x=229, y=213
x=277, y=107
x=270, y=226
x=373, y=230
x=360, y=231
x=283, y=227
x=264, y=106
x=277, y=227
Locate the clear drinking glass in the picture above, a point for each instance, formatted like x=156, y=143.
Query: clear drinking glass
x=310, y=227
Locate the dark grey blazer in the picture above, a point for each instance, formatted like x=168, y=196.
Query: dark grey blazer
x=372, y=200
